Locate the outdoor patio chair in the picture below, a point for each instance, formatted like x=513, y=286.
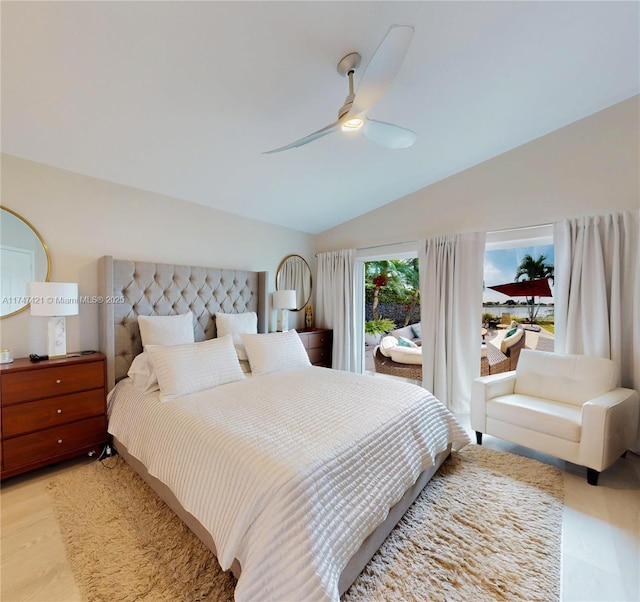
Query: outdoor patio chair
x=495, y=361
x=385, y=365
x=505, y=320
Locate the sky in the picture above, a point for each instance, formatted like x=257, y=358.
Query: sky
x=500, y=266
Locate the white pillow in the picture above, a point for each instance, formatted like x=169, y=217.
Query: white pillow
x=236, y=325
x=387, y=344
x=184, y=369
x=275, y=351
x=166, y=330
x=407, y=355
x=142, y=373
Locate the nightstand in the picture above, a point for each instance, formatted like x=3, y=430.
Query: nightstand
x=319, y=346
x=51, y=411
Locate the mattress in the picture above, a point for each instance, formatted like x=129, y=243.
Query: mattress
x=290, y=471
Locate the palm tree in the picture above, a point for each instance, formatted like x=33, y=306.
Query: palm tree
x=399, y=276
x=410, y=277
x=378, y=273
x=533, y=269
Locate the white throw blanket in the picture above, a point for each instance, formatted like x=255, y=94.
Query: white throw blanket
x=289, y=471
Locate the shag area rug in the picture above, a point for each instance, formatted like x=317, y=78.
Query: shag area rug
x=486, y=528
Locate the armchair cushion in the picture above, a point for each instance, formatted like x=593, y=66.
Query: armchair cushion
x=567, y=378
x=387, y=344
x=413, y=333
x=557, y=419
x=407, y=355
x=401, y=350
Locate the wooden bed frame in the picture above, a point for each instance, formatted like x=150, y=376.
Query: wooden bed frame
x=144, y=288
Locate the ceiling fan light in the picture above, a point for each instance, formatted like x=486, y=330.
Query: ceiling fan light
x=352, y=125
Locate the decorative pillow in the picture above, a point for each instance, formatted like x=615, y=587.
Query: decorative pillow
x=403, y=342
x=407, y=355
x=184, y=369
x=387, y=344
x=510, y=341
x=236, y=325
x=510, y=332
x=142, y=373
x=166, y=330
x=275, y=351
x=417, y=330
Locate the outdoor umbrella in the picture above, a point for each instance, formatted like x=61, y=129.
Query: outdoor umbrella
x=525, y=288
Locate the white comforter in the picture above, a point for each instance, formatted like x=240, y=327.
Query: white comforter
x=289, y=471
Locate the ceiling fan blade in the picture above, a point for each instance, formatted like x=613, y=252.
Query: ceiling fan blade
x=382, y=68
x=310, y=138
x=388, y=135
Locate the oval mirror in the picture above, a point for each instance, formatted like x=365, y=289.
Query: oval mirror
x=24, y=258
x=294, y=273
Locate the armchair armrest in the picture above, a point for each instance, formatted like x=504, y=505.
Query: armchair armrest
x=609, y=424
x=496, y=384
x=484, y=388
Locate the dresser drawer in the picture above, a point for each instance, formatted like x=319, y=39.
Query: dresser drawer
x=56, y=441
x=319, y=356
x=318, y=339
x=52, y=381
x=35, y=415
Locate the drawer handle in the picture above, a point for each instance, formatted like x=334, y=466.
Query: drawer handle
x=58, y=411
x=58, y=381
x=59, y=440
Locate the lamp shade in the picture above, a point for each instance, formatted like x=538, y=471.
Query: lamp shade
x=284, y=299
x=53, y=298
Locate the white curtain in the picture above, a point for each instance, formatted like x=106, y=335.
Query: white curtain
x=335, y=304
x=451, y=274
x=597, y=291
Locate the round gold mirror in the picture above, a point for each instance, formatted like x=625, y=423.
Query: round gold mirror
x=294, y=273
x=24, y=258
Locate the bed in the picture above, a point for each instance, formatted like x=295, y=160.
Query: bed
x=290, y=490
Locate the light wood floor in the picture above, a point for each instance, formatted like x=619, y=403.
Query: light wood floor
x=600, y=537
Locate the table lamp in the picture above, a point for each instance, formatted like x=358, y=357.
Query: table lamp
x=283, y=301
x=55, y=300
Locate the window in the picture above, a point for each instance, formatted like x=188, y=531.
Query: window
x=522, y=254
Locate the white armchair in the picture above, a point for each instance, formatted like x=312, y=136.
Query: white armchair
x=567, y=406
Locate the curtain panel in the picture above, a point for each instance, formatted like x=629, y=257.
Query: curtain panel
x=451, y=274
x=597, y=291
x=335, y=304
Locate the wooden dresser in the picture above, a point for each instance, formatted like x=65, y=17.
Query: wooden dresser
x=51, y=410
x=318, y=344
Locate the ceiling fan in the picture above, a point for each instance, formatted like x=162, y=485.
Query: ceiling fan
x=376, y=79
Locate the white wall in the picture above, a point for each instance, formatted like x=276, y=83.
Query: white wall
x=588, y=167
x=83, y=218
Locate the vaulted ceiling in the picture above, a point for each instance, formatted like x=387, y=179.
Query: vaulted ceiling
x=183, y=98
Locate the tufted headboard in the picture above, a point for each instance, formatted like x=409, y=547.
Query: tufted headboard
x=132, y=288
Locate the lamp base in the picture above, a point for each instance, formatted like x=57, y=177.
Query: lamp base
x=57, y=337
x=283, y=319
